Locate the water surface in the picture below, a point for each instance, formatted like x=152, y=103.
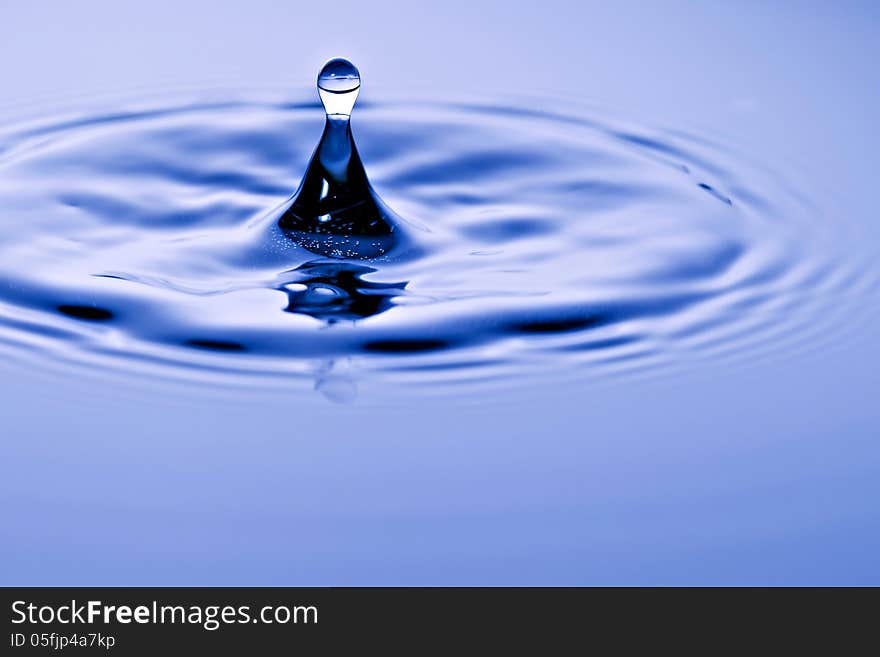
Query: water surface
x=147, y=240
x=682, y=394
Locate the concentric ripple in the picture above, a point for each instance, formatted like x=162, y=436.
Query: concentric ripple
x=144, y=240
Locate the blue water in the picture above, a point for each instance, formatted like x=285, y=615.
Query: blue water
x=635, y=345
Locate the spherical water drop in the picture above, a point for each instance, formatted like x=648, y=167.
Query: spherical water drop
x=338, y=86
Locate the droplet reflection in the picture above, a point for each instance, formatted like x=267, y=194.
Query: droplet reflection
x=337, y=291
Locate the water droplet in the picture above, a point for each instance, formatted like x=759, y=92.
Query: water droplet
x=335, y=211
x=338, y=85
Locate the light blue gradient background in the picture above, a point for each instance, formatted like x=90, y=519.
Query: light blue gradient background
x=765, y=474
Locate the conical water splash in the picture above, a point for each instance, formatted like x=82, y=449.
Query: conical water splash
x=335, y=212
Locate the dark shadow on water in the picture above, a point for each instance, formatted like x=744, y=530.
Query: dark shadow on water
x=337, y=291
x=216, y=345
x=560, y=325
x=88, y=313
x=406, y=346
